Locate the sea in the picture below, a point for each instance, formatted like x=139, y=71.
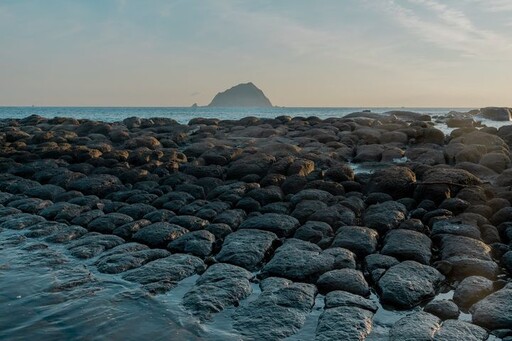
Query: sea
x=46, y=294
x=184, y=114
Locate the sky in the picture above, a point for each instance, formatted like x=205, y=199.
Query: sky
x=336, y=53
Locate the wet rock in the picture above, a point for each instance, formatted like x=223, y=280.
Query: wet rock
x=344, y=322
x=127, y=256
x=109, y=222
x=61, y=211
x=66, y=234
x=278, y=312
x=407, y=284
x=158, y=235
x=127, y=230
x=30, y=205
x=191, y=223
x=416, y=326
x=471, y=290
x=100, y=184
x=221, y=286
x=444, y=309
x=316, y=232
x=86, y=217
x=197, y=243
x=19, y=221
x=396, y=181
x=92, y=244
x=340, y=298
x=358, y=239
x=280, y=224
x=301, y=261
x=247, y=248
x=494, y=311
x=349, y=280
x=163, y=274
x=456, y=228
x=408, y=245
x=136, y=211
x=385, y=216
x=460, y=330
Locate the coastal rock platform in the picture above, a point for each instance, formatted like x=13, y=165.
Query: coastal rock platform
x=286, y=228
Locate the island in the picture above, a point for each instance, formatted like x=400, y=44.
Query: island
x=241, y=95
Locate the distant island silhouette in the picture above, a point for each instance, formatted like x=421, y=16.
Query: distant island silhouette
x=241, y=95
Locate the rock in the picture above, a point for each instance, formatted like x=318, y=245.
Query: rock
x=158, y=235
x=163, y=274
x=127, y=256
x=45, y=192
x=444, y=309
x=86, y=217
x=460, y=330
x=109, y=222
x=247, y=248
x=349, y=280
x=344, y=323
x=378, y=261
x=358, y=239
x=301, y=261
x=19, y=221
x=280, y=224
x=471, y=290
x=506, y=260
x=241, y=95
x=503, y=215
x=407, y=284
x=455, y=227
x=495, y=114
x=494, y=311
x=66, y=234
x=416, y=326
x=316, y=232
x=278, y=312
x=189, y=222
x=385, y=216
x=221, y=286
x=396, y=181
x=92, y=244
x=340, y=298
x=197, y=243
x=408, y=245
x=498, y=162
x=232, y=218
x=99, y=184
x=137, y=211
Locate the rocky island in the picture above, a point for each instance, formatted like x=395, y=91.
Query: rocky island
x=241, y=95
x=277, y=204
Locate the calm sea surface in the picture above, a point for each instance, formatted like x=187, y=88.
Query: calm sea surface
x=184, y=115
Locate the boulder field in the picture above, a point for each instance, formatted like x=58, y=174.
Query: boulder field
x=273, y=216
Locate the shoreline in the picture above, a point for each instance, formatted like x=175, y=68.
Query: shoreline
x=277, y=202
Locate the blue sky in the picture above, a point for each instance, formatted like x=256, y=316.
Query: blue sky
x=300, y=53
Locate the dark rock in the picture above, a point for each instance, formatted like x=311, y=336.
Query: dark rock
x=19, y=221
x=92, y=244
x=158, y=235
x=349, y=280
x=460, y=330
x=100, y=185
x=197, y=243
x=278, y=312
x=495, y=114
x=316, y=232
x=385, y=216
x=247, y=248
x=61, y=211
x=305, y=262
x=494, y=311
x=345, y=322
x=221, y=286
x=444, y=309
x=127, y=230
x=127, y=256
x=232, y=218
x=86, y=217
x=471, y=290
x=164, y=274
x=377, y=198
x=137, y=211
x=396, y=181
x=161, y=215
x=345, y=299
x=241, y=95
x=416, y=326
x=358, y=239
x=456, y=228
x=407, y=284
x=109, y=222
x=408, y=245
x=280, y=224
x=191, y=223
x=220, y=231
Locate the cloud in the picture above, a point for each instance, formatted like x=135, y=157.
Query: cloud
x=446, y=27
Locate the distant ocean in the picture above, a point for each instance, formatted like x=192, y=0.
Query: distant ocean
x=185, y=114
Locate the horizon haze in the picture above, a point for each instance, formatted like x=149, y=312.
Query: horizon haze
x=353, y=53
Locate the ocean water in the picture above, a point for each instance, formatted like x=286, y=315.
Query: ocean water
x=185, y=114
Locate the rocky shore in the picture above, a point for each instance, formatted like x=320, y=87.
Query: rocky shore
x=278, y=203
